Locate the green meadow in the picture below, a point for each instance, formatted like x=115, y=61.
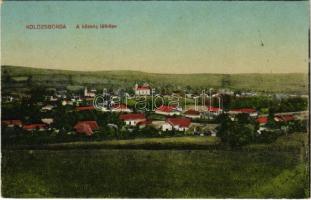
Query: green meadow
x=277, y=170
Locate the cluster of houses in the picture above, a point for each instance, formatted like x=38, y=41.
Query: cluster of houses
x=171, y=123
x=175, y=118
x=27, y=127
x=282, y=117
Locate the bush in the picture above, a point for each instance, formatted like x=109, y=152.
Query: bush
x=267, y=136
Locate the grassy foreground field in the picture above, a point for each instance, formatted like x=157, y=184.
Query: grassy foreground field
x=276, y=173
x=149, y=173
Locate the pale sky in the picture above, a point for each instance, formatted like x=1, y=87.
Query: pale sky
x=159, y=36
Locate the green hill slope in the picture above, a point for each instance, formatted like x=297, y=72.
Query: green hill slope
x=13, y=76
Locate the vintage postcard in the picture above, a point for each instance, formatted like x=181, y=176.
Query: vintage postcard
x=155, y=99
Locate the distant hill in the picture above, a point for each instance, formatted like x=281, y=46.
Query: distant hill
x=13, y=76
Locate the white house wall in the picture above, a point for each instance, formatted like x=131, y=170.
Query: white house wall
x=167, y=127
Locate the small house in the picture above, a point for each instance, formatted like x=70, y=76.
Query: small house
x=167, y=110
x=284, y=118
x=12, y=123
x=262, y=120
x=83, y=108
x=214, y=110
x=86, y=127
x=179, y=124
x=142, y=90
x=91, y=93
x=193, y=114
x=36, y=126
x=47, y=108
x=47, y=120
x=133, y=119
x=252, y=112
x=120, y=108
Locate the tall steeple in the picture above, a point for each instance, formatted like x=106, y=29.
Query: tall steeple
x=85, y=91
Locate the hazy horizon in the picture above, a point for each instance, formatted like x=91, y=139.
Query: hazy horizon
x=116, y=70
x=215, y=37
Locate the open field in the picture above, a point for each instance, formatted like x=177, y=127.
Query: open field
x=207, y=142
x=292, y=143
x=149, y=173
x=17, y=76
x=276, y=173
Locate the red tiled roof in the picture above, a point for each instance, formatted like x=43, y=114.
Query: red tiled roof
x=143, y=88
x=244, y=110
x=86, y=127
x=119, y=106
x=81, y=108
x=213, y=109
x=262, y=120
x=132, y=116
x=166, y=108
x=192, y=112
x=34, y=126
x=93, y=124
x=182, y=122
x=15, y=122
x=285, y=118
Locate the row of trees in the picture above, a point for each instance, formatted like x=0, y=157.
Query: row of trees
x=290, y=104
x=244, y=130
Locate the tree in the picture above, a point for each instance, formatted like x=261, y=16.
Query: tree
x=149, y=131
x=236, y=133
x=37, y=95
x=244, y=118
x=188, y=88
x=271, y=122
x=226, y=100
